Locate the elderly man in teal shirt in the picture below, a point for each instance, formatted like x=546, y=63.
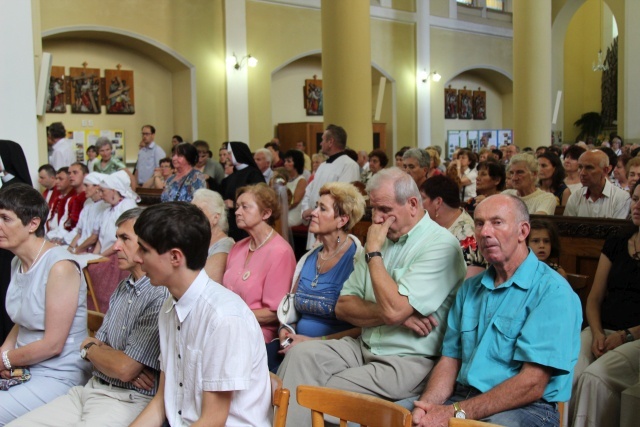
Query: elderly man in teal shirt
x=399, y=294
x=513, y=333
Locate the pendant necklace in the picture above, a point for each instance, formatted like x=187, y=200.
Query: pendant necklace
x=319, y=265
x=36, y=258
x=247, y=273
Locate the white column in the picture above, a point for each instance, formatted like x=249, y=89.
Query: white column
x=631, y=86
x=423, y=92
x=18, y=121
x=237, y=80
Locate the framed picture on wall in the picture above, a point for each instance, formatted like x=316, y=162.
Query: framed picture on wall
x=57, y=91
x=450, y=103
x=465, y=104
x=85, y=90
x=313, y=102
x=479, y=105
x=119, y=97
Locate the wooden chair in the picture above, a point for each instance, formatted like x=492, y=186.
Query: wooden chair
x=564, y=414
x=457, y=422
x=87, y=277
x=279, y=400
x=366, y=410
x=94, y=321
x=102, y=276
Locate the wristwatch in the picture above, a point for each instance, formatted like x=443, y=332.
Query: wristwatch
x=370, y=255
x=83, y=352
x=458, y=412
x=629, y=336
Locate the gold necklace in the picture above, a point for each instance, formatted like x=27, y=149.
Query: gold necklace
x=247, y=272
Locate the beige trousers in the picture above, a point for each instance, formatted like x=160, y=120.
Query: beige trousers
x=93, y=405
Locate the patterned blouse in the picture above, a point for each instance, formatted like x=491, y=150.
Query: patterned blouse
x=463, y=229
x=181, y=190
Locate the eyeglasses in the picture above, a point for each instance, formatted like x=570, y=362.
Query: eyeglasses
x=146, y=133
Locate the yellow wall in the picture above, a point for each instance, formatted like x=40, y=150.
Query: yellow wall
x=152, y=91
x=581, y=83
x=193, y=29
x=454, y=52
x=280, y=34
x=494, y=106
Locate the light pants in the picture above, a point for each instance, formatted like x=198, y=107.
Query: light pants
x=598, y=383
x=93, y=405
x=346, y=364
x=20, y=399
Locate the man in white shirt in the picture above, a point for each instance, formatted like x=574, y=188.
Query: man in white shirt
x=149, y=155
x=63, y=154
x=213, y=360
x=263, y=159
x=338, y=167
x=598, y=198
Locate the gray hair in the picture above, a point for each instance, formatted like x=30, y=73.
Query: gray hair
x=213, y=204
x=102, y=141
x=132, y=213
x=266, y=153
x=526, y=158
x=423, y=158
x=403, y=185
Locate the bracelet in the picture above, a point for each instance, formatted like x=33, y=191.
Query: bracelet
x=5, y=359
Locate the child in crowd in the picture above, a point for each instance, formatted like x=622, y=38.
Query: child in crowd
x=544, y=242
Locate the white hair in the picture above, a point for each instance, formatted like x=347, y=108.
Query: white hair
x=404, y=186
x=213, y=204
x=266, y=153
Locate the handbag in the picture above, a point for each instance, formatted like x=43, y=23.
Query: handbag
x=287, y=313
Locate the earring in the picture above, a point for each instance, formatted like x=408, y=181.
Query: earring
x=338, y=239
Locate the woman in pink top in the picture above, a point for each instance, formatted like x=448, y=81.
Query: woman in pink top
x=260, y=267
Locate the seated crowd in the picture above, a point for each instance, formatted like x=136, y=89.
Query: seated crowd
x=453, y=306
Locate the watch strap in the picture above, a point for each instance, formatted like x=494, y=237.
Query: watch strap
x=370, y=255
x=629, y=336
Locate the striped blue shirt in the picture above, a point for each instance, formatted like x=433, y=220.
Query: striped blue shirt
x=131, y=325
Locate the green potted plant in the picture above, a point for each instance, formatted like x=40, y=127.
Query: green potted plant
x=590, y=124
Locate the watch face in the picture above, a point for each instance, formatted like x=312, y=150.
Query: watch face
x=83, y=353
x=460, y=414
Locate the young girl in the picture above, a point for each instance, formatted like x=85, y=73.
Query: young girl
x=545, y=244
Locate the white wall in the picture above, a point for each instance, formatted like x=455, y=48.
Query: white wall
x=18, y=121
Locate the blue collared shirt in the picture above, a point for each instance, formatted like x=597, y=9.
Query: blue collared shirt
x=533, y=317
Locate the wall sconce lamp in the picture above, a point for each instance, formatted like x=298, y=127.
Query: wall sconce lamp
x=238, y=64
x=424, y=76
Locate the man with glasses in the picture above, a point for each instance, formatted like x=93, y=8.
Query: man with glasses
x=149, y=155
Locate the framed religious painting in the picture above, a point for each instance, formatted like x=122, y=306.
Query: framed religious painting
x=479, y=105
x=85, y=90
x=57, y=91
x=313, y=103
x=119, y=97
x=450, y=103
x=465, y=104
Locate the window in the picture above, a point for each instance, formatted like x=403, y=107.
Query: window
x=489, y=4
x=495, y=4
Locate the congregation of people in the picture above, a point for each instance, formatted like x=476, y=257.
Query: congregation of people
x=454, y=305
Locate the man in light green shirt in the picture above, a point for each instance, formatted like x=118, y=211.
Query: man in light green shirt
x=399, y=293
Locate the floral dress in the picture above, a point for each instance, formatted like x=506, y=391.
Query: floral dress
x=181, y=190
x=463, y=229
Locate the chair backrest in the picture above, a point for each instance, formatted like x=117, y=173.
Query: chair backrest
x=94, y=321
x=102, y=276
x=367, y=411
x=280, y=401
x=458, y=422
x=87, y=276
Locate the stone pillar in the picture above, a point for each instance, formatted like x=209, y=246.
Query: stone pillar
x=346, y=69
x=532, y=101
